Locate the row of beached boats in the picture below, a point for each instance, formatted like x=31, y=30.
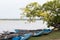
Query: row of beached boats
x=23, y=34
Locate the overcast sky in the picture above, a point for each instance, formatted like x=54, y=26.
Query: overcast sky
x=10, y=8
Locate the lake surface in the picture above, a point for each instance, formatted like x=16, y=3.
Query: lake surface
x=11, y=25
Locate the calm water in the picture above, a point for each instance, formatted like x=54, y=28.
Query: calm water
x=11, y=25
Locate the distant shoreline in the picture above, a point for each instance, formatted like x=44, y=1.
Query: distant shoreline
x=17, y=19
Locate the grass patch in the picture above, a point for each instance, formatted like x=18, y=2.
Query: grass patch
x=52, y=36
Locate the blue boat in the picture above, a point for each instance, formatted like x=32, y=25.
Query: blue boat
x=16, y=38
x=47, y=31
x=24, y=37
x=38, y=33
x=29, y=34
x=18, y=31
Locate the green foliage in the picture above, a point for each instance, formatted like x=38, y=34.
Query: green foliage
x=54, y=8
x=32, y=9
x=49, y=12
